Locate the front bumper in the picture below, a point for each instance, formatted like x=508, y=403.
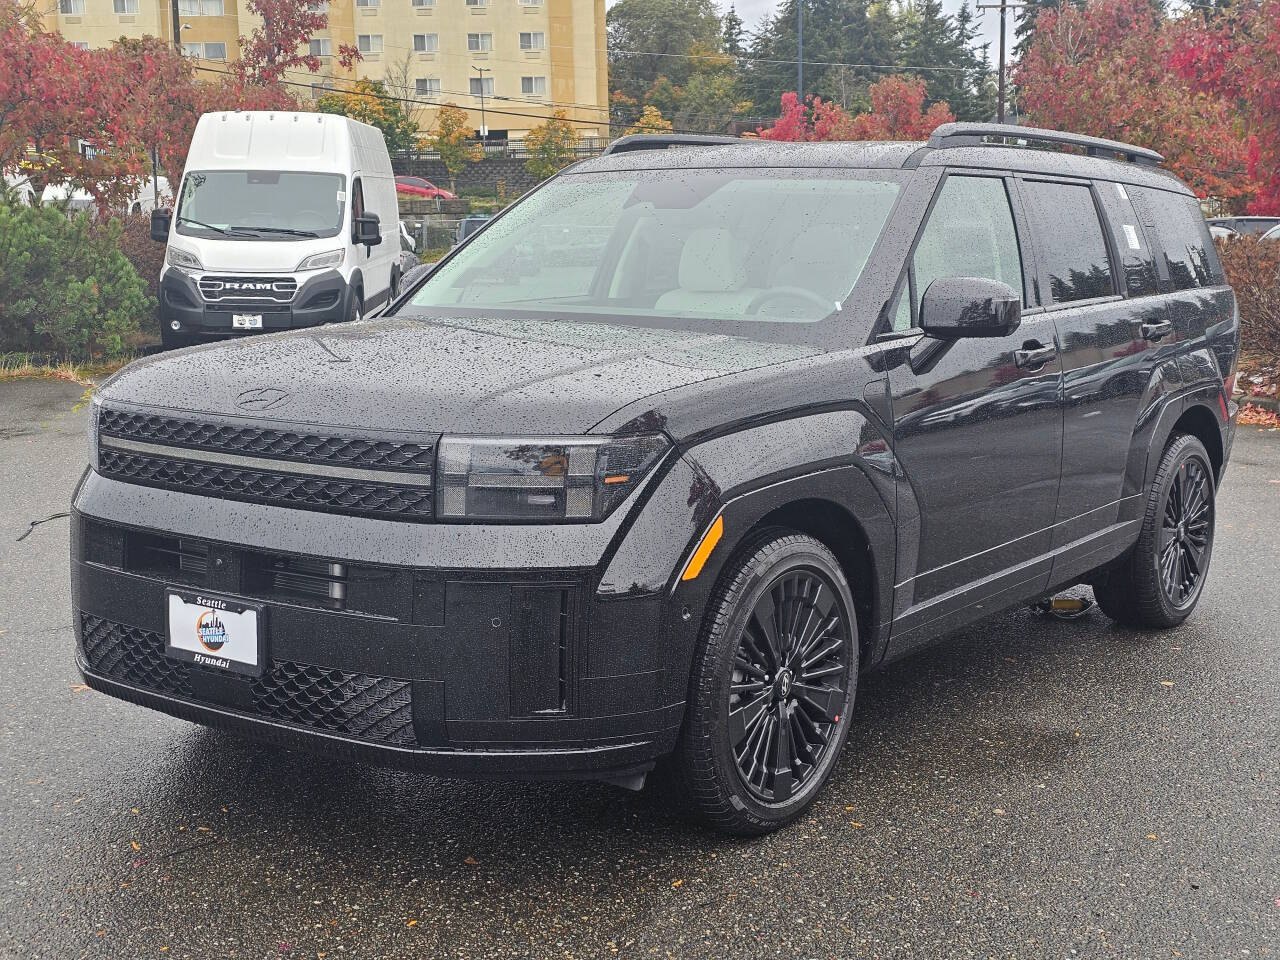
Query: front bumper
x=323, y=298
x=466, y=672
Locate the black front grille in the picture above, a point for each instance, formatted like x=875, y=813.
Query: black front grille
x=264, y=442
x=370, y=499
x=357, y=705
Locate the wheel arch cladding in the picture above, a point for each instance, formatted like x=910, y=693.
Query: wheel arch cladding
x=1199, y=421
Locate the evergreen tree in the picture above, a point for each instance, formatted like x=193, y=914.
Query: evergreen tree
x=733, y=34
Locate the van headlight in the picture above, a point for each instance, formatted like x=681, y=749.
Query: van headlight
x=540, y=479
x=182, y=259
x=319, y=261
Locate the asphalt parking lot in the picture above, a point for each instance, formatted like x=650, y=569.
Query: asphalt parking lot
x=1030, y=789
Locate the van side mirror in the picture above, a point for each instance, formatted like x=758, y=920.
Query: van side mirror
x=368, y=229
x=160, y=220
x=955, y=307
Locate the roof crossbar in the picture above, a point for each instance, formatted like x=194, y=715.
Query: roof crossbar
x=664, y=141
x=977, y=134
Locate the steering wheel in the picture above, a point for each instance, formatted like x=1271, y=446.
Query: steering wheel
x=322, y=220
x=795, y=293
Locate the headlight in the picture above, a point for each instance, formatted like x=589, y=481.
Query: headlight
x=95, y=407
x=317, y=261
x=178, y=257
x=540, y=478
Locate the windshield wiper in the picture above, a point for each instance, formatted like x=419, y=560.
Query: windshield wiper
x=286, y=230
x=207, y=226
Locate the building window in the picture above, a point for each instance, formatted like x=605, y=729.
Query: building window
x=368, y=3
x=215, y=51
x=319, y=90
x=319, y=6
x=479, y=42
x=533, y=41
x=424, y=3
x=533, y=86
x=193, y=49
x=321, y=47
x=530, y=3
x=71, y=8
x=124, y=7
x=426, y=42
x=482, y=86
x=477, y=3
x=80, y=44
x=427, y=86
x=369, y=43
x=199, y=8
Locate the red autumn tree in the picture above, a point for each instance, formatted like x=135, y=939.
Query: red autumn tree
x=283, y=42
x=1107, y=69
x=1236, y=56
x=897, y=113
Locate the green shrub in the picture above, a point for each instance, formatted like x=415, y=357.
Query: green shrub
x=65, y=286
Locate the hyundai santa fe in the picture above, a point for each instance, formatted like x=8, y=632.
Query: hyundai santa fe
x=653, y=468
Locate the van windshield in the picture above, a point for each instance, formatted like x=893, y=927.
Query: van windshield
x=261, y=205
x=719, y=248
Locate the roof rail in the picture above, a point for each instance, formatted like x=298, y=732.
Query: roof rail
x=975, y=134
x=664, y=141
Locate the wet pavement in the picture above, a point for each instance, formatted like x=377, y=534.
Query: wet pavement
x=1030, y=789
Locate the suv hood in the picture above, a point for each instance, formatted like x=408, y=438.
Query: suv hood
x=477, y=375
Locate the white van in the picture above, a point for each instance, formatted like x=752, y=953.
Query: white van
x=279, y=223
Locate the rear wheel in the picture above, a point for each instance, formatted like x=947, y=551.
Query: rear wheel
x=773, y=686
x=1159, y=582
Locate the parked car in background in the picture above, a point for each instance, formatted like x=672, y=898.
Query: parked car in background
x=419, y=187
x=1272, y=234
x=1219, y=232
x=655, y=469
x=1246, y=226
x=280, y=222
x=469, y=225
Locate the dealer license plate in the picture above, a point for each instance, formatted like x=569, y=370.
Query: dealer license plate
x=217, y=632
x=246, y=321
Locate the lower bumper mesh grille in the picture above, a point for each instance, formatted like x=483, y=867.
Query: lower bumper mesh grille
x=357, y=705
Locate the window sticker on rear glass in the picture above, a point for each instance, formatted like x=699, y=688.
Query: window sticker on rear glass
x=342, y=196
x=1131, y=234
x=1121, y=190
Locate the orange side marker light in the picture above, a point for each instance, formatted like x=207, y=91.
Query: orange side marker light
x=699, y=558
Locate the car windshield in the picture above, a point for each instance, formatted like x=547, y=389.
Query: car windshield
x=734, y=250
x=261, y=204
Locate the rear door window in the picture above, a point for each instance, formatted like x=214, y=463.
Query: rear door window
x=1183, y=238
x=1129, y=238
x=970, y=233
x=1071, y=250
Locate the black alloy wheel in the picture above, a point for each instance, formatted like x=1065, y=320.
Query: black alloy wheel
x=790, y=682
x=773, y=682
x=1159, y=581
x=1188, y=514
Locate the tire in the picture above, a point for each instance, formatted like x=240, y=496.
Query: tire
x=726, y=770
x=174, y=341
x=1143, y=591
x=395, y=284
x=356, y=310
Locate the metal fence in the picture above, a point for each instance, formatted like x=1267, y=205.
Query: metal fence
x=516, y=149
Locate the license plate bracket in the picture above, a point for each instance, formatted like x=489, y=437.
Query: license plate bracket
x=220, y=633
x=246, y=321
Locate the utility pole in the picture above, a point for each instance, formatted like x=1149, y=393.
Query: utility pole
x=177, y=26
x=1004, y=6
x=799, y=50
x=484, y=128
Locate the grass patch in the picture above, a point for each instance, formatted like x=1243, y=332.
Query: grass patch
x=17, y=366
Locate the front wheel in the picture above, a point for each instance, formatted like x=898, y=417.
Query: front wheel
x=1159, y=582
x=772, y=688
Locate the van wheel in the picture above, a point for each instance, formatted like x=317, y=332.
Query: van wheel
x=172, y=340
x=1159, y=582
x=772, y=688
x=395, y=284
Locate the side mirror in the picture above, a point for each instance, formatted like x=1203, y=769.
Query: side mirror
x=160, y=220
x=955, y=307
x=368, y=229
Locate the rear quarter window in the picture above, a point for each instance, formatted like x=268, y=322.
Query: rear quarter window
x=1183, y=238
x=1129, y=237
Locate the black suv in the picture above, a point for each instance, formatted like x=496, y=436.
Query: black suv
x=659, y=462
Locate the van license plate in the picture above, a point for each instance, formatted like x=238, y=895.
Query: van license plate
x=246, y=321
x=216, y=632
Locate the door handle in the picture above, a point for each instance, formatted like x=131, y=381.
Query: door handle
x=1157, y=331
x=1033, y=356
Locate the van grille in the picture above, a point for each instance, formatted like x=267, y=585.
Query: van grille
x=277, y=289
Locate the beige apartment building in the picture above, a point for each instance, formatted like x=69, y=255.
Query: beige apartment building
x=509, y=63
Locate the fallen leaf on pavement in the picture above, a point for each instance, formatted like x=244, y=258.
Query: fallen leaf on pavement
x=472, y=860
x=135, y=846
x=677, y=884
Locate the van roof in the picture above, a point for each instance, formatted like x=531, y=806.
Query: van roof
x=726, y=152
x=283, y=140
